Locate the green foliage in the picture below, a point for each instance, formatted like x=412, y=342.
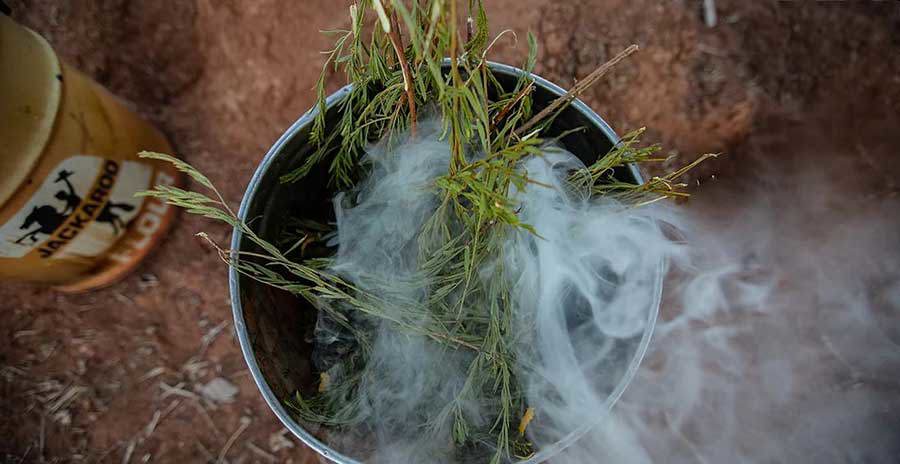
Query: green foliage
x=474, y=217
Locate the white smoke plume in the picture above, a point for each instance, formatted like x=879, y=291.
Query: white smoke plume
x=409, y=379
x=778, y=341
x=585, y=290
x=587, y=286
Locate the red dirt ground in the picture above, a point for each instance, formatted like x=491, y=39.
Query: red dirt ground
x=115, y=375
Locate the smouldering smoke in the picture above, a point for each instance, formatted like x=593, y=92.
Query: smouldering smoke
x=408, y=379
x=585, y=291
x=779, y=339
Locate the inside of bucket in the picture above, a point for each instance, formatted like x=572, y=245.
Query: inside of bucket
x=280, y=325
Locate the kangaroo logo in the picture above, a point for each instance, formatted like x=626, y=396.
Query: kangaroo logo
x=47, y=218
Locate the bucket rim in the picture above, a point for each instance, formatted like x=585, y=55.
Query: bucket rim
x=275, y=403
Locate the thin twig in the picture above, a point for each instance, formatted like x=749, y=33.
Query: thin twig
x=577, y=90
x=126, y=458
x=169, y=390
x=245, y=422
x=454, y=59
x=63, y=400
x=27, y=452
x=210, y=337
x=397, y=43
x=158, y=417
x=496, y=39
x=151, y=426
x=155, y=372
x=506, y=109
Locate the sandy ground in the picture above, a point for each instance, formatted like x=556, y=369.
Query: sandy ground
x=149, y=369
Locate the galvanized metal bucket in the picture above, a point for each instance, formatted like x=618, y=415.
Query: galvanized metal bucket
x=270, y=323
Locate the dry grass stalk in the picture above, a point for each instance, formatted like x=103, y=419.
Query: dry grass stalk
x=577, y=90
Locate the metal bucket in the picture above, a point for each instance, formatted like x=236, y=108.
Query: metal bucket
x=272, y=325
